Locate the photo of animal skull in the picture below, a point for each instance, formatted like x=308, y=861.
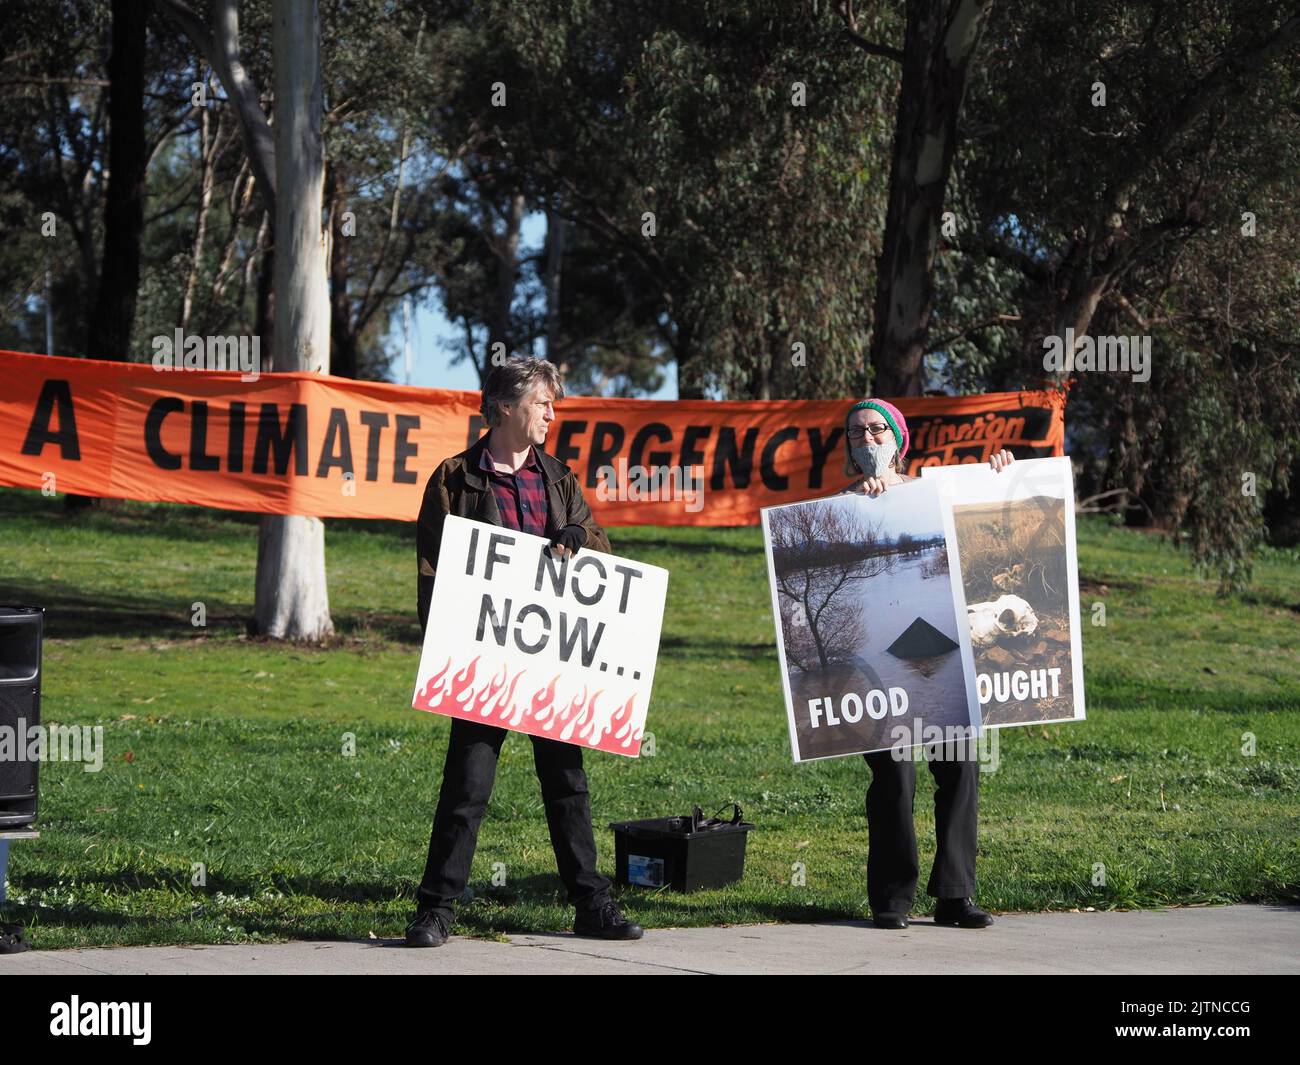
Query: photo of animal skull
x=1006, y=617
x=1014, y=573
x=1011, y=580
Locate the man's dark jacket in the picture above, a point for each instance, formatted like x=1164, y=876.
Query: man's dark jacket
x=459, y=487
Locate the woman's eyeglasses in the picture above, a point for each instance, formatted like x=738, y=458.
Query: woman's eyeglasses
x=857, y=433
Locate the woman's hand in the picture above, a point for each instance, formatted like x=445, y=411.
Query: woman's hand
x=1001, y=460
x=873, y=486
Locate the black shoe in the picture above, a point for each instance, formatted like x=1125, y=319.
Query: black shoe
x=429, y=929
x=606, y=922
x=889, y=919
x=960, y=913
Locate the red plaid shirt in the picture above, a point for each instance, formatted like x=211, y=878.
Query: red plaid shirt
x=521, y=496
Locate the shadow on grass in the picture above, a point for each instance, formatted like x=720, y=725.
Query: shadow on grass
x=1111, y=691
x=693, y=547
x=718, y=650
x=190, y=522
x=1270, y=599
x=70, y=615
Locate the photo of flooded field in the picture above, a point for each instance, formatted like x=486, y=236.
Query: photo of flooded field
x=864, y=604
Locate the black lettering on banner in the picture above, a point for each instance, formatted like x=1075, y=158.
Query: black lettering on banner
x=376, y=421
x=235, y=442
x=693, y=455
x=291, y=440
x=819, y=452
x=602, y=453
x=587, y=561
x=767, y=460
x=1038, y=420
x=567, y=451
x=725, y=454
x=336, y=437
x=158, y=411
x=403, y=449
x=54, y=393
x=199, y=458
x=942, y=435
x=655, y=459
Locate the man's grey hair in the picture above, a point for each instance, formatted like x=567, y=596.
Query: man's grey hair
x=511, y=380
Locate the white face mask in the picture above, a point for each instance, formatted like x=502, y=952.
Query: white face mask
x=874, y=459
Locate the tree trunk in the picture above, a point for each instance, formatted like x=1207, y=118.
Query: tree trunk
x=208, y=150
x=220, y=47
x=292, y=600
x=686, y=355
x=940, y=43
x=1075, y=311
x=266, y=293
x=554, y=260
x=499, y=330
x=108, y=333
x=343, y=344
x=119, y=279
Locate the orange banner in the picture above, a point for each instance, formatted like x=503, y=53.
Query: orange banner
x=300, y=443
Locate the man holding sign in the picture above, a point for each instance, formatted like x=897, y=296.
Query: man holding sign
x=506, y=480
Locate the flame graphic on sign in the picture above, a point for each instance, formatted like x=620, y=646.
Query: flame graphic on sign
x=623, y=716
x=424, y=699
x=579, y=703
x=502, y=707
x=454, y=692
x=462, y=684
x=543, y=701
x=489, y=690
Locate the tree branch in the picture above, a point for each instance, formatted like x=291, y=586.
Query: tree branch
x=991, y=248
x=221, y=49
x=845, y=8
x=993, y=319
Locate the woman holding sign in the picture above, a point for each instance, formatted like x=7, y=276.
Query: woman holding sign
x=875, y=444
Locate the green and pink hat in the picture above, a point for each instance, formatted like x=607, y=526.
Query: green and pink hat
x=893, y=416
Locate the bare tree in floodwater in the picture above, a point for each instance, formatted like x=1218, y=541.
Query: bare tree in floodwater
x=818, y=553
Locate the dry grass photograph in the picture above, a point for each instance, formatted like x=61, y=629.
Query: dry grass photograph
x=1014, y=572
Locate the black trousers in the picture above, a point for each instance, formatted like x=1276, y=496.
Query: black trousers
x=892, y=867
x=467, y=779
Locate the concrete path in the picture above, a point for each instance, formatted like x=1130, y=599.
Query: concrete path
x=1220, y=939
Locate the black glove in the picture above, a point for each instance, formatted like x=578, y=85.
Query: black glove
x=571, y=537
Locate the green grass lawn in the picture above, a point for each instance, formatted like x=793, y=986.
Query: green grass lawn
x=228, y=752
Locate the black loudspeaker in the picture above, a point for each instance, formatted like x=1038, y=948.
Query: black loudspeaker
x=20, y=711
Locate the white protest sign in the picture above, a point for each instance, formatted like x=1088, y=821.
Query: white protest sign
x=873, y=656
x=1010, y=533
x=563, y=649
